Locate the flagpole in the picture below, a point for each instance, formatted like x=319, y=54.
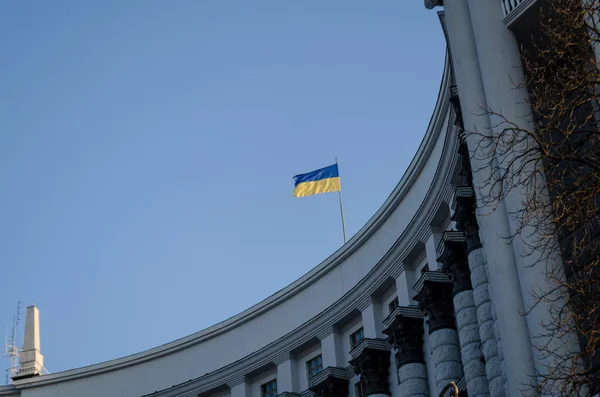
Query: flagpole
x=341, y=206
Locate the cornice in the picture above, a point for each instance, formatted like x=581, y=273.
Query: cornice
x=9, y=391
x=390, y=264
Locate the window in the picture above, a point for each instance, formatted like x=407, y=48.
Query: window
x=358, y=391
x=393, y=304
x=269, y=389
x=356, y=337
x=425, y=269
x=314, y=366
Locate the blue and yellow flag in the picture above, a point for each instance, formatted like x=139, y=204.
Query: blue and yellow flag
x=323, y=180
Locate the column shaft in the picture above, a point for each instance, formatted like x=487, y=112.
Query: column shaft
x=446, y=357
x=286, y=381
x=502, y=265
x=485, y=319
x=501, y=70
x=470, y=342
x=413, y=380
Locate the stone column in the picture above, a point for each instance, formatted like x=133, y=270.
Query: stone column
x=371, y=361
x=455, y=264
x=501, y=70
x=435, y=299
x=493, y=222
x=464, y=216
x=404, y=328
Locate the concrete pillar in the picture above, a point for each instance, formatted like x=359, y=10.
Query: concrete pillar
x=405, y=333
x=332, y=350
x=286, y=379
x=435, y=299
x=404, y=285
x=431, y=246
x=493, y=222
x=455, y=264
x=501, y=69
x=371, y=320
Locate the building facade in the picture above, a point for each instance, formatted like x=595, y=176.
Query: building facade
x=424, y=294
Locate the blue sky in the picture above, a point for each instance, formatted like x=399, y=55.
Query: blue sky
x=147, y=150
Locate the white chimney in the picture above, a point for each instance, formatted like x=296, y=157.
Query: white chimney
x=31, y=359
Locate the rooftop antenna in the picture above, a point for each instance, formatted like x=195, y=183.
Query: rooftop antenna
x=11, y=348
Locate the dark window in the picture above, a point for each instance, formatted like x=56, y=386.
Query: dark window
x=356, y=337
x=358, y=391
x=269, y=389
x=425, y=268
x=314, y=366
x=393, y=304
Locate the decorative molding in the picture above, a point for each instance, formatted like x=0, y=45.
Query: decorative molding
x=371, y=360
x=434, y=276
x=221, y=391
x=328, y=372
x=388, y=293
x=405, y=333
x=9, y=391
x=431, y=4
x=404, y=311
x=435, y=299
x=455, y=261
x=307, y=393
x=465, y=216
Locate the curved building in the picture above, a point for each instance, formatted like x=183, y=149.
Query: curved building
x=424, y=294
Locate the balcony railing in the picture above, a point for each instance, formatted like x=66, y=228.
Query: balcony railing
x=513, y=9
x=510, y=5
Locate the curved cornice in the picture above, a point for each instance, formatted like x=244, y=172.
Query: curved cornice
x=393, y=258
x=390, y=265
x=8, y=391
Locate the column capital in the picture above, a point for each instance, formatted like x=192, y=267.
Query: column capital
x=435, y=299
x=331, y=382
x=464, y=216
x=371, y=360
x=405, y=330
x=455, y=261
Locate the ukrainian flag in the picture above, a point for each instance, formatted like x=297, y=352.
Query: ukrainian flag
x=323, y=180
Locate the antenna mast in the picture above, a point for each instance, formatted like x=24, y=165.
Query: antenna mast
x=11, y=348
